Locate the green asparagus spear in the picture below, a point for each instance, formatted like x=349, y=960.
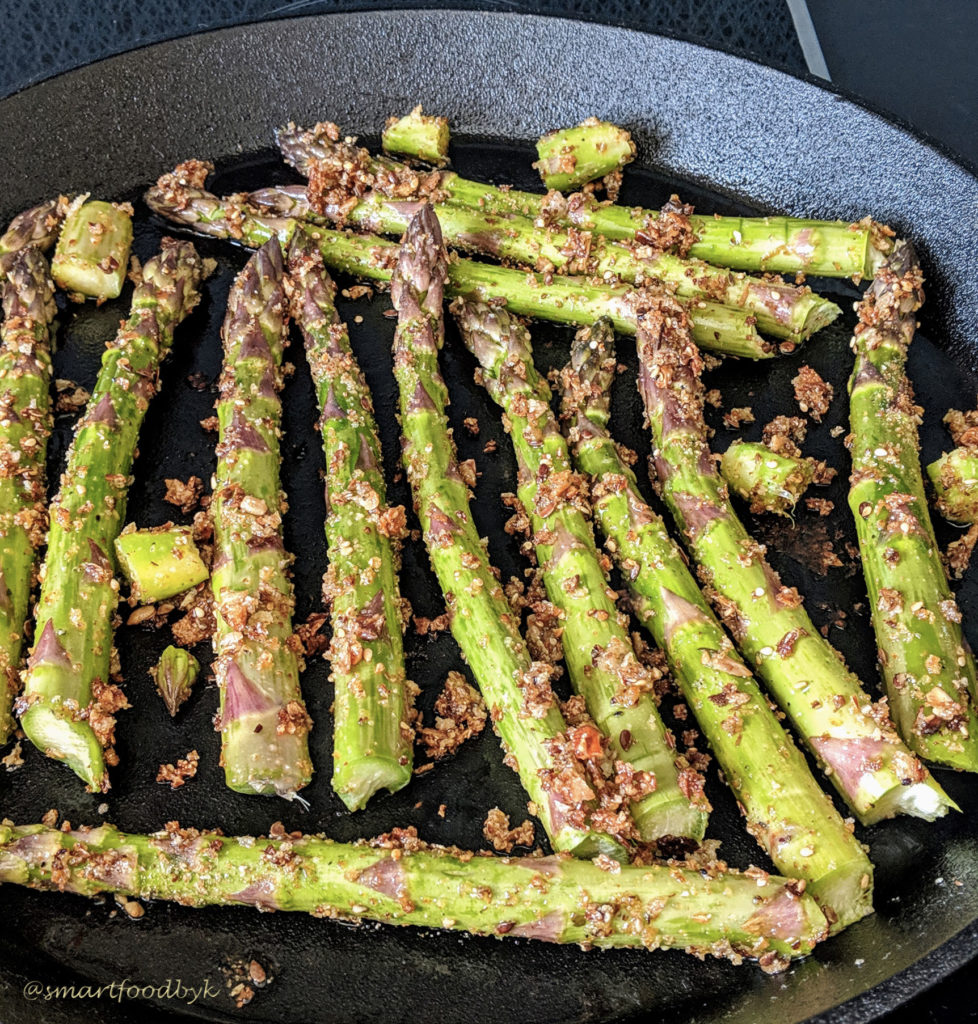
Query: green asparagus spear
x=562, y=786
x=851, y=737
x=349, y=186
x=263, y=720
x=928, y=668
x=573, y=157
x=68, y=703
x=786, y=811
x=597, y=648
x=372, y=734
x=25, y=424
x=179, y=197
x=955, y=479
x=92, y=254
x=175, y=674
x=770, y=481
x=419, y=135
x=159, y=563
x=38, y=226
x=399, y=880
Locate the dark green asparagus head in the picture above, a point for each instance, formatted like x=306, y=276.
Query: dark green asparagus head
x=496, y=338
x=171, y=280
x=37, y=226
x=894, y=296
x=586, y=379
x=418, y=285
x=28, y=292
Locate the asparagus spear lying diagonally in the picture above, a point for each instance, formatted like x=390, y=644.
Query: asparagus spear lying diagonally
x=263, y=721
x=870, y=766
x=598, y=651
x=786, y=811
x=254, y=219
x=373, y=738
x=25, y=425
x=350, y=186
x=928, y=668
x=399, y=880
x=524, y=712
x=67, y=705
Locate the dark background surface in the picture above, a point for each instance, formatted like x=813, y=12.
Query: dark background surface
x=912, y=60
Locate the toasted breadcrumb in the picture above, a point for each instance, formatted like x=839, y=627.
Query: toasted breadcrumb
x=177, y=775
x=813, y=394
x=503, y=838
x=460, y=713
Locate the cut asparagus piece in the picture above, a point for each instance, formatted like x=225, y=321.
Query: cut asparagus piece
x=399, y=880
x=349, y=186
x=373, y=740
x=159, y=563
x=573, y=157
x=179, y=197
x=25, y=425
x=927, y=666
x=175, y=674
x=851, y=737
x=419, y=135
x=68, y=703
x=263, y=720
x=768, y=480
x=92, y=254
x=955, y=479
x=524, y=711
x=598, y=650
x=786, y=811
x=38, y=226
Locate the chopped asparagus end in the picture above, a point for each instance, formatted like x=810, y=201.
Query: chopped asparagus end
x=418, y=134
x=92, y=254
x=574, y=156
x=924, y=800
x=356, y=781
x=175, y=674
x=955, y=479
x=160, y=563
x=50, y=726
x=770, y=481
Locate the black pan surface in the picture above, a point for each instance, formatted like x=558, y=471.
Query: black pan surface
x=731, y=136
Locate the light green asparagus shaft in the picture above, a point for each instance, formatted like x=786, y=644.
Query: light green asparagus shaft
x=67, y=705
x=419, y=135
x=38, y=226
x=25, y=425
x=517, y=690
x=372, y=734
x=955, y=479
x=851, y=737
x=398, y=880
x=179, y=197
x=573, y=157
x=380, y=194
x=263, y=721
x=159, y=563
x=770, y=481
x=92, y=254
x=928, y=668
x=597, y=647
x=786, y=811
x=175, y=674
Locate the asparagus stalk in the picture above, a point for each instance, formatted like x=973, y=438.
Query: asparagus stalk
x=769, y=480
x=955, y=479
x=159, y=563
x=263, y=720
x=175, y=674
x=25, y=424
x=927, y=666
x=92, y=254
x=419, y=135
x=524, y=711
x=573, y=157
x=786, y=811
x=67, y=706
x=598, y=650
x=179, y=197
x=850, y=736
x=381, y=194
x=372, y=735
x=399, y=880
x=38, y=226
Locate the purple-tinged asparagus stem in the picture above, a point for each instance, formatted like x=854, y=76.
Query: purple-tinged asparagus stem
x=927, y=665
x=263, y=720
x=25, y=425
x=373, y=739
